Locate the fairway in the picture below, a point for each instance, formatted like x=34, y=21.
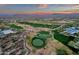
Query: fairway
x=40, y=25
x=15, y=27
x=62, y=38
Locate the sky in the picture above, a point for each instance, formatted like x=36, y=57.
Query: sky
x=38, y=8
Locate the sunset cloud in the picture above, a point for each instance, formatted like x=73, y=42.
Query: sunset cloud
x=38, y=8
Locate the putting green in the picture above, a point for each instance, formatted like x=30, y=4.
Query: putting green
x=38, y=42
x=43, y=34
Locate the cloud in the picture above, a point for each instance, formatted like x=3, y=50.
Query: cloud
x=39, y=9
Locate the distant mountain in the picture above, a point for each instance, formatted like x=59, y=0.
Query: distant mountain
x=70, y=16
x=7, y=14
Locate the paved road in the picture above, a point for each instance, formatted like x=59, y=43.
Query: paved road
x=28, y=50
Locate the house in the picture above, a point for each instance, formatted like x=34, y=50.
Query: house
x=5, y=32
x=72, y=30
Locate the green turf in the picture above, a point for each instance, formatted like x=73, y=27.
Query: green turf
x=15, y=26
x=40, y=25
x=62, y=38
x=43, y=34
x=38, y=42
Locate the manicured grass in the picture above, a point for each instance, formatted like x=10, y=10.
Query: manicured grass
x=15, y=26
x=62, y=38
x=38, y=42
x=43, y=34
x=40, y=25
